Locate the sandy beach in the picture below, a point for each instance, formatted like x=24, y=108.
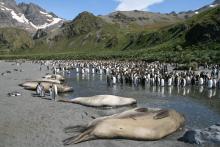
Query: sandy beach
x=27, y=121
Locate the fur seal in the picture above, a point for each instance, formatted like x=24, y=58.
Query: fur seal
x=32, y=85
x=136, y=124
x=102, y=101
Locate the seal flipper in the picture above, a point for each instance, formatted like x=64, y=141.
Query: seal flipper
x=161, y=114
x=75, y=129
x=85, y=136
x=69, y=141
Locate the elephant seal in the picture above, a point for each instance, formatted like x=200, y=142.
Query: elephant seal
x=102, y=101
x=49, y=80
x=136, y=124
x=32, y=85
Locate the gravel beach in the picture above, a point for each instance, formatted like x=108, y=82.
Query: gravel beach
x=27, y=121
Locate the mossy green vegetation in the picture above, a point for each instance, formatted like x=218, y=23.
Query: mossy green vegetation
x=12, y=39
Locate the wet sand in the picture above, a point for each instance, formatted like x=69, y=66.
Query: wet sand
x=27, y=121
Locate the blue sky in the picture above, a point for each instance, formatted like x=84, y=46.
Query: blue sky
x=69, y=9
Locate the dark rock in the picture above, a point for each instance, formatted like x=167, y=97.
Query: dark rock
x=203, y=33
x=39, y=34
x=205, y=136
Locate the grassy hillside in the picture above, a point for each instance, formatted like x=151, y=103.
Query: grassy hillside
x=12, y=39
x=90, y=37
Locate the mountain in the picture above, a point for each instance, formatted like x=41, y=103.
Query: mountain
x=204, y=8
x=85, y=22
x=200, y=28
x=141, y=18
x=174, y=37
x=26, y=16
x=182, y=41
x=85, y=32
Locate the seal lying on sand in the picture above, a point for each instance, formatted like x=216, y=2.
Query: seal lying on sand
x=135, y=124
x=102, y=101
x=48, y=80
x=54, y=77
x=32, y=85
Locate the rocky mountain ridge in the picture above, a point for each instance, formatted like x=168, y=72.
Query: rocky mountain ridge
x=29, y=17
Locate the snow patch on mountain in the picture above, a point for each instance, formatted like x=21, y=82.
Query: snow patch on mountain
x=19, y=17
x=213, y=6
x=46, y=25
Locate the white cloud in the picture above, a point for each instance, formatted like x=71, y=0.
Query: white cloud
x=128, y=5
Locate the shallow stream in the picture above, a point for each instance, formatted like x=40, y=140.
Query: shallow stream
x=200, y=106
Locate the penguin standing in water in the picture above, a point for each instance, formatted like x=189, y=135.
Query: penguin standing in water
x=157, y=81
x=162, y=83
x=188, y=80
x=152, y=80
x=148, y=77
x=193, y=81
x=83, y=70
x=201, y=81
x=183, y=82
x=93, y=70
x=214, y=83
x=170, y=81
x=142, y=81
x=108, y=80
x=177, y=80
x=108, y=71
x=136, y=80
x=210, y=83
x=77, y=70
x=114, y=80
x=121, y=78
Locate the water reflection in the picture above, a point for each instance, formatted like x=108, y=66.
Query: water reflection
x=191, y=91
x=201, y=89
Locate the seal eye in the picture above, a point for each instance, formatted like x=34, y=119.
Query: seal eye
x=141, y=110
